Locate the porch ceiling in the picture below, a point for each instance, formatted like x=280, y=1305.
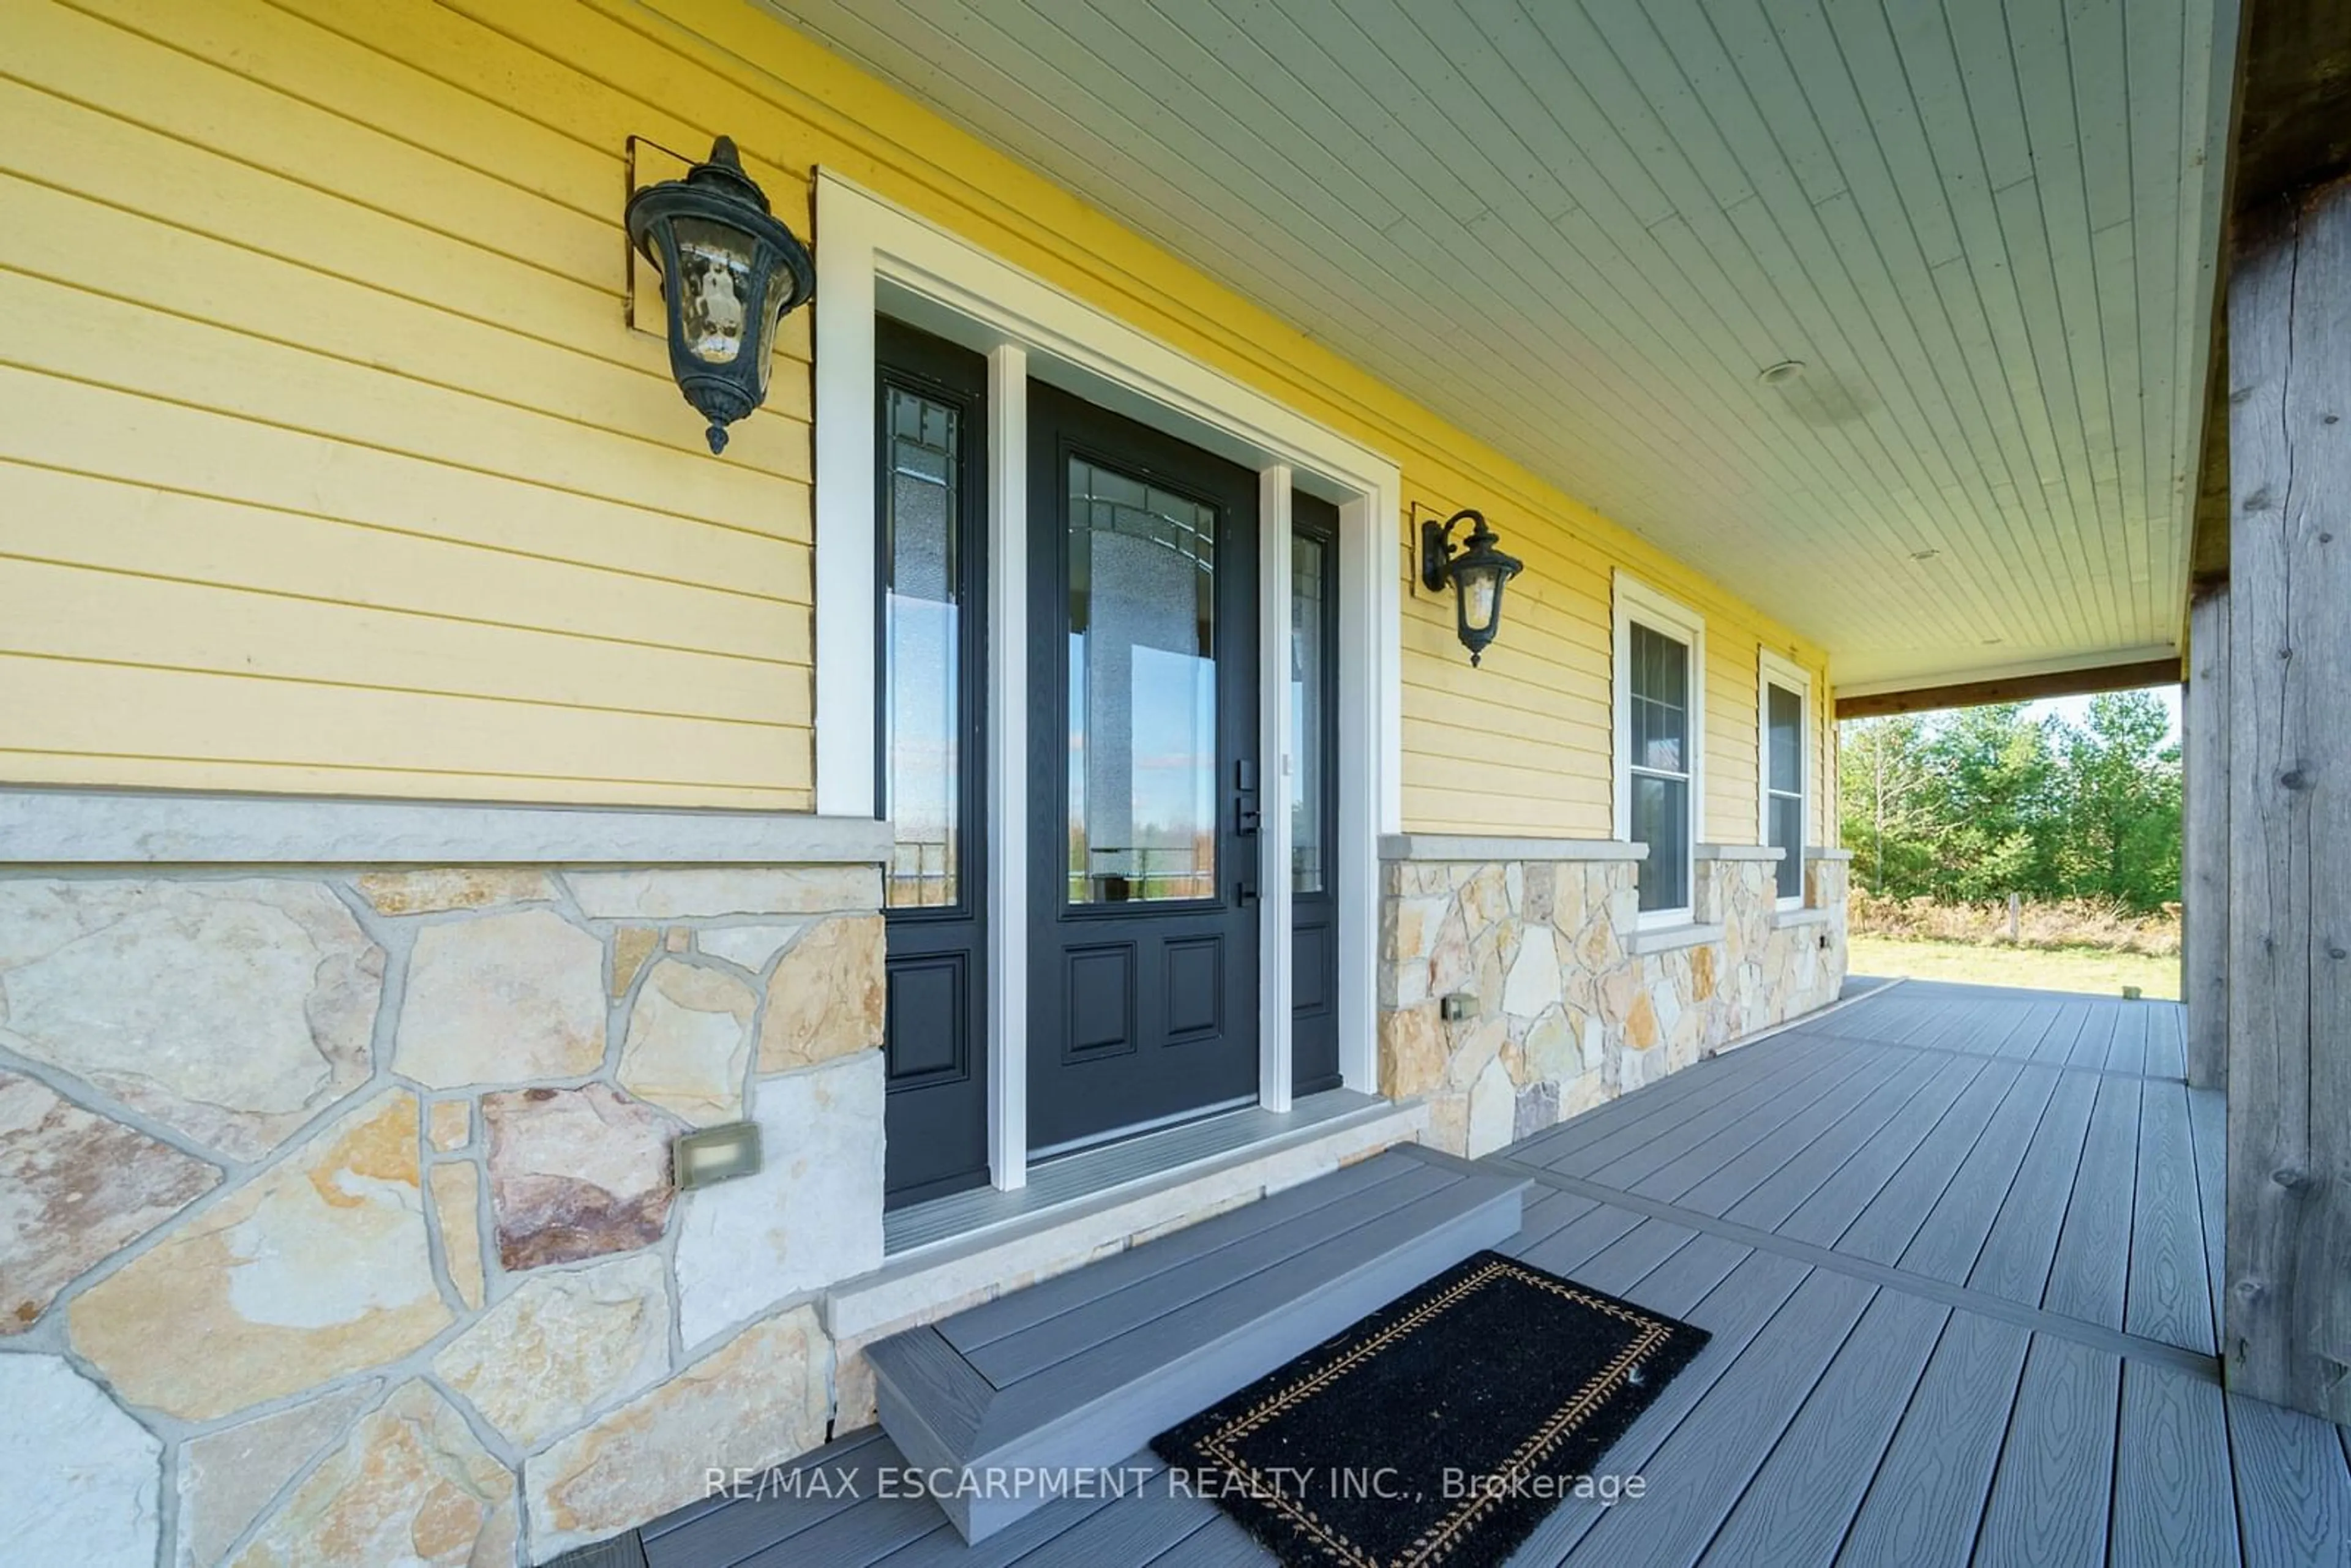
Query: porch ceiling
x=1580, y=230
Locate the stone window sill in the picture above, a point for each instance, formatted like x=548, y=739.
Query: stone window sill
x=1667, y=938
x=1785, y=918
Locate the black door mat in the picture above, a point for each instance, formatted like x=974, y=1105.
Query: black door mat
x=1441, y=1428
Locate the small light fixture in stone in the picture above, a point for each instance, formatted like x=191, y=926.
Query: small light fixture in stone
x=712, y=1154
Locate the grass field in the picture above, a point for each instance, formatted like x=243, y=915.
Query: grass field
x=2096, y=970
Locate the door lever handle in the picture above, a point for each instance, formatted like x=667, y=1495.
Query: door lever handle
x=1245, y=818
x=1245, y=894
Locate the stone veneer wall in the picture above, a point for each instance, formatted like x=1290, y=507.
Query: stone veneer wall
x=1569, y=1012
x=337, y=1222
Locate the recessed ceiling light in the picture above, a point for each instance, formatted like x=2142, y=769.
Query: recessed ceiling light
x=1785, y=371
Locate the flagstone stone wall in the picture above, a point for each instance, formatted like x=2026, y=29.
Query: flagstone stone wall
x=335, y=1218
x=1569, y=1003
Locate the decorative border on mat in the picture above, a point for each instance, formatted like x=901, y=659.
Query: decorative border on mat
x=1436, y=1542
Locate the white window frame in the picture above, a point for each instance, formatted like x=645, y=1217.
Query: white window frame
x=872, y=254
x=1772, y=670
x=1636, y=601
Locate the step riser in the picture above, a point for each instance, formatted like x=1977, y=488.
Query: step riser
x=1103, y=1433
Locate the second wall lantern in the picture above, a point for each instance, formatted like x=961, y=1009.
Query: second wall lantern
x=731, y=272
x=1477, y=571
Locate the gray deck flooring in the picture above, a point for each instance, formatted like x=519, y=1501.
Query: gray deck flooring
x=1958, y=1249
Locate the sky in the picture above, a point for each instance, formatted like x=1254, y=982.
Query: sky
x=2076, y=710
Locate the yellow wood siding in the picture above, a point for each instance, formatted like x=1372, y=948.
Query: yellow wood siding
x=327, y=462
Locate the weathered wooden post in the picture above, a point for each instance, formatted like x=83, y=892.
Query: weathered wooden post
x=2288, y=1313
x=2204, y=872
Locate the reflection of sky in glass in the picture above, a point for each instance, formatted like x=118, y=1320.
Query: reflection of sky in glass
x=923, y=648
x=1142, y=691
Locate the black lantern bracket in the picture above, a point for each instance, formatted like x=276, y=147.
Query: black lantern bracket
x=1476, y=571
x=731, y=272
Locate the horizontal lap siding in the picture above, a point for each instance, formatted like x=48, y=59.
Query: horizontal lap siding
x=326, y=459
x=327, y=462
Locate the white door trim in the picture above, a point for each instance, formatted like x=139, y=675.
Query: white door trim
x=872, y=254
x=1276, y=767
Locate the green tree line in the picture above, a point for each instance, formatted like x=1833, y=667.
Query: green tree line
x=1978, y=803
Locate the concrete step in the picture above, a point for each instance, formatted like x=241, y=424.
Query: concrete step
x=999, y=1404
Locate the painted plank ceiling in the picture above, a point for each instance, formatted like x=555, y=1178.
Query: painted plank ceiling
x=1581, y=228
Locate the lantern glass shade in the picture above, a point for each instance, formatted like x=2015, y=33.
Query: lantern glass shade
x=730, y=271
x=1481, y=595
x=714, y=263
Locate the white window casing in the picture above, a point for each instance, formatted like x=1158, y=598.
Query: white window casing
x=1635, y=602
x=1774, y=670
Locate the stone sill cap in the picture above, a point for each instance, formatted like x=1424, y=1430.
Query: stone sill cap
x=1811, y=914
x=1824, y=853
x=1464, y=847
x=1740, y=852
x=1666, y=939
x=125, y=827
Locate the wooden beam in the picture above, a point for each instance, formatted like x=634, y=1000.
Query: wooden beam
x=2294, y=108
x=2204, y=869
x=2288, y=1304
x=2012, y=689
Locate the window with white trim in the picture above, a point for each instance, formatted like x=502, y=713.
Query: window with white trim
x=1660, y=678
x=1783, y=703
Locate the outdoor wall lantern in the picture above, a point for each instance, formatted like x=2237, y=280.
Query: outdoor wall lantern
x=1477, y=572
x=731, y=272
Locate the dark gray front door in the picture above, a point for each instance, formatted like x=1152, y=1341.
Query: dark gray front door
x=1144, y=786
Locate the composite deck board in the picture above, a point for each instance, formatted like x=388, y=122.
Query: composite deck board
x=2051, y=1495
x=1912, y=1101
x=1895, y=1211
x=706, y=1534
x=2096, y=1039
x=1137, y=1529
x=1545, y=1212
x=2207, y=1129
x=1009, y=1314
x=2056, y=1046
x=2294, y=1485
x=1730, y=1293
x=1219, y=1543
x=1799, y=1504
x=1927, y=1497
x=942, y=1548
x=1832, y=1206
x=1565, y=1251
x=2173, y=1501
x=1741, y=1119
x=1708, y=1462
x=856, y=1537
x=1143, y=1348
x=1634, y=1255
x=2016, y=1257
x=1709, y=1078
x=1621, y=1141
x=1952, y=1237
x=1135, y=1305
x=1712, y=1181
x=2091, y=1273
x=2169, y=1294
x=2127, y=1051
x=2166, y=1042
